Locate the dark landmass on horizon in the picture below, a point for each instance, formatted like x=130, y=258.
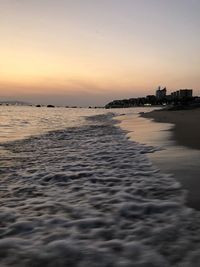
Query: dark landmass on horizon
x=146, y=101
x=15, y=103
x=181, y=98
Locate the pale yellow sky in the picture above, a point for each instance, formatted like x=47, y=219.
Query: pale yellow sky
x=78, y=52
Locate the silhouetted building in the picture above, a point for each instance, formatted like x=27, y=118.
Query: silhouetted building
x=181, y=94
x=161, y=93
x=177, y=98
x=175, y=95
x=185, y=93
x=151, y=99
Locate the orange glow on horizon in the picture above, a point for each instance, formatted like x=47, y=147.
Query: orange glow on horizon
x=67, y=49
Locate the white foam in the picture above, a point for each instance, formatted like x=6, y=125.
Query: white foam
x=89, y=197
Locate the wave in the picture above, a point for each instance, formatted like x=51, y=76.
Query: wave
x=88, y=196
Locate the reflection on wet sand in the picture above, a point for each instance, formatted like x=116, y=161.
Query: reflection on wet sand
x=180, y=161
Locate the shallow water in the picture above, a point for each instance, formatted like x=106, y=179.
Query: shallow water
x=87, y=196
x=19, y=122
x=182, y=162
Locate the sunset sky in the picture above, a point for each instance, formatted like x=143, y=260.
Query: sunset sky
x=89, y=52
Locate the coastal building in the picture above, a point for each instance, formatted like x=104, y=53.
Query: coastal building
x=151, y=99
x=185, y=93
x=182, y=94
x=161, y=93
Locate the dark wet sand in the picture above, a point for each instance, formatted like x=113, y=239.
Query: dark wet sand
x=186, y=130
x=184, y=163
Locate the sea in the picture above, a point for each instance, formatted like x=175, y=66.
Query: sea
x=77, y=191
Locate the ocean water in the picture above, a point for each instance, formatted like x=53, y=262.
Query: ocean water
x=19, y=122
x=75, y=191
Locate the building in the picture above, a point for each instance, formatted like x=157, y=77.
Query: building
x=182, y=94
x=185, y=93
x=161, y=93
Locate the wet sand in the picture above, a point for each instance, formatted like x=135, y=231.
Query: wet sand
x=181, y=156
x=186, y=130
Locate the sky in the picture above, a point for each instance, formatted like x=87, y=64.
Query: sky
x=89, y=52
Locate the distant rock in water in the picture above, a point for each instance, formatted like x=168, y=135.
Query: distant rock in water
x=38, y=106
x=50, y=106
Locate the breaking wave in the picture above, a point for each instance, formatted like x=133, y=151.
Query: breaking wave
x=88, y=196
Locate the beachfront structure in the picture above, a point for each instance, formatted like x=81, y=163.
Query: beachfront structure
x=182, y=94
x=161, y=93
x=185, y=93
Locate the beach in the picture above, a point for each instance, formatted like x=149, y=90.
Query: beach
x=82, y=194
x=181, y=153
x=181, y=159
x=186, y=130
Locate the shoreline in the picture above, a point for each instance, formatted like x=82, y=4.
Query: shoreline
x=186, y=130
x=182, y=156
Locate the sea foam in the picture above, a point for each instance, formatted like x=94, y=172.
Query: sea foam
x=88, y=196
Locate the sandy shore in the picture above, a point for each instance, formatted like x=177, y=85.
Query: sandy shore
x=181, y=161
x=186, y=125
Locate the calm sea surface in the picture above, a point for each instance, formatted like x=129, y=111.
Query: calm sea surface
x=76, y=191
x=19, y=122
